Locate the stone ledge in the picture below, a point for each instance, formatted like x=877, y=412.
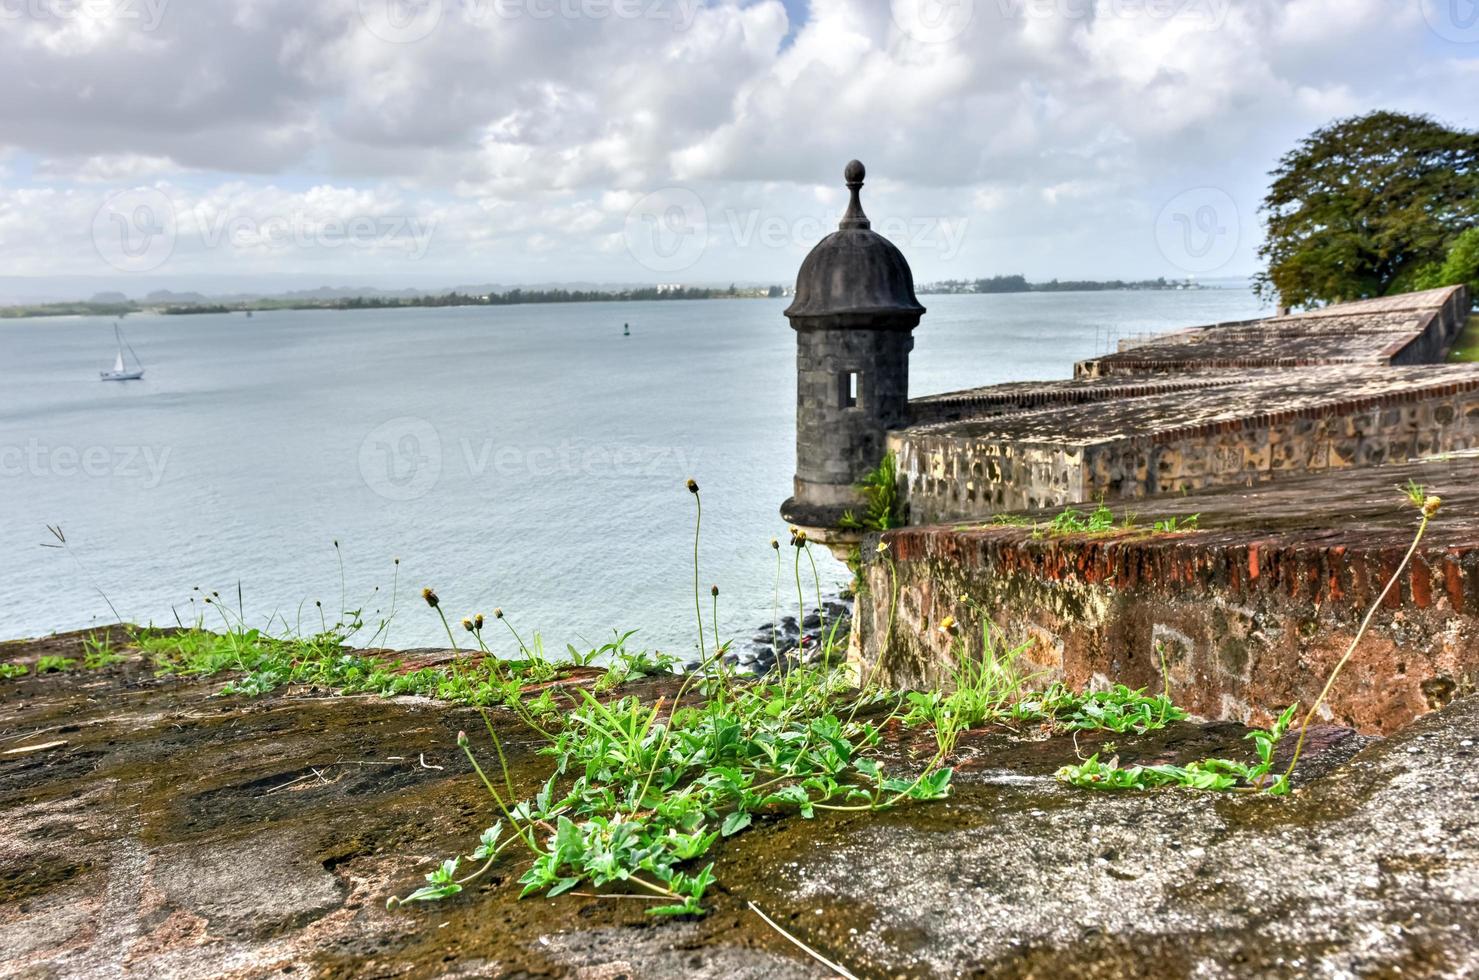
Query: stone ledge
x=1254, y=609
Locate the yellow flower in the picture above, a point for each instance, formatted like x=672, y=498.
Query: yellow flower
x=946, y=625
x=431, y=598
x=1431, y=505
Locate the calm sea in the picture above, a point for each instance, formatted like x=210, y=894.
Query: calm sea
x=526, y=457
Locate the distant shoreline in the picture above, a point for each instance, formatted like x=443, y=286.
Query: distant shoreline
x=525, y=297
x=514, y=297
x=1019, y=284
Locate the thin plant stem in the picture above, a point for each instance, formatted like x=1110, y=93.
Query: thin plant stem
x=716, y=621
x=343, y=593
x=508, y=782
x=867, y=680
x=520, y=831
x=775, y=610
x=56, y=532
x=517, y=638
x=821, y=610
x=835, y=968
x=698, y=519
x=1365, y=623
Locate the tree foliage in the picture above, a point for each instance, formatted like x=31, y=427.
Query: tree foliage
x=1366, y=207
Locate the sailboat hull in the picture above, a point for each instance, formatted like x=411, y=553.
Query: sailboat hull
x=120, y=375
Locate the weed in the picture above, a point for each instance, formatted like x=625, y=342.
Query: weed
x=1427, y=506
x=52, y=664
x=1070, y=521
x=8, y=671
x=984, y=688
x=1206, y=774
x=883, y=506
x=1100, y=520
x=1175, y=525
x=1118, y=709
x=98, y=652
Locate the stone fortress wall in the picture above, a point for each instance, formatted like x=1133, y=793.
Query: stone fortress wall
x=1225, y=405
x=1287, y=437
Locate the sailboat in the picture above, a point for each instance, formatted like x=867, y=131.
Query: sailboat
x=120, y=372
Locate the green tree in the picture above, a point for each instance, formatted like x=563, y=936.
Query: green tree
x=1365, y=205
x=1462, y=264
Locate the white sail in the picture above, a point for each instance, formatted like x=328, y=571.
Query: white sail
x=120, y=371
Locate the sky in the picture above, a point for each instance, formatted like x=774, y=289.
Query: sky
x=270, y=143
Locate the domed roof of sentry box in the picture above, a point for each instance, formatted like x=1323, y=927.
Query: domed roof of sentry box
x=855, y=277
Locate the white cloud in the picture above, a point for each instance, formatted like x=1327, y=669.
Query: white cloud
x=528, y=139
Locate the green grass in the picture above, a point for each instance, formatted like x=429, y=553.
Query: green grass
x=1205, y=774
x=1100, y=520
x=1466, y=345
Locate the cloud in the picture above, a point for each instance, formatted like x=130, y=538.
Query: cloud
x=529, y=129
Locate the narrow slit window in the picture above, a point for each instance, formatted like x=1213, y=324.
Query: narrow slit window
x=852, y=386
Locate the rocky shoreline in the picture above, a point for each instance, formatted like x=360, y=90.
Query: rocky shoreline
x=787, y=641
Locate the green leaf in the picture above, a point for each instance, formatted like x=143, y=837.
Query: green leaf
x=735, y=822
x=488, y=842
x=671, y=910
x=433, y=893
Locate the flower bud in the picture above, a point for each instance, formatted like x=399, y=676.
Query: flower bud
x=1431, y=505
x=714, y=592
x=467, y=624
x=462, y=739
x=692, y=486
x=431, y=598
x=477, y=621
x=498, y=613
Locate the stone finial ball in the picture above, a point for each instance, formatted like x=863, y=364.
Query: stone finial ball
x=854, y=173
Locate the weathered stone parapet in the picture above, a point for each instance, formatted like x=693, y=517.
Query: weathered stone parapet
x=1002, y=399
x=1250, y=613
x=1412, y=328
x=1263, y=426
